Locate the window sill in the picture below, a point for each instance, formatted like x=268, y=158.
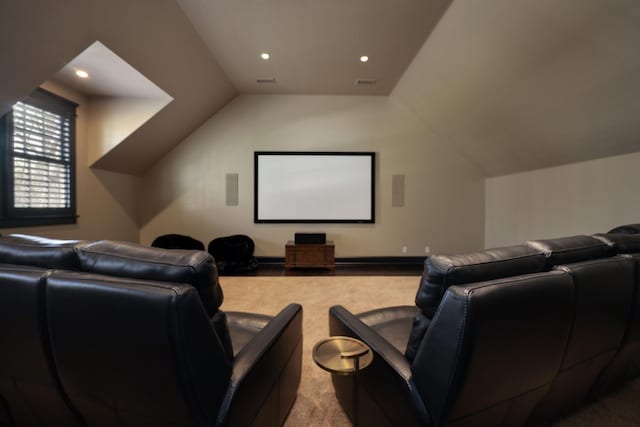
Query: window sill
x=37, y=221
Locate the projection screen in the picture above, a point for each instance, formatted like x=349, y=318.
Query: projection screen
x=314, y=187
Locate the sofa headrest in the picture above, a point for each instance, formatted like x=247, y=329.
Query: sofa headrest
x=43, y=252
x=442, y=271
x=484, y=265
x=622, y=243
x=567, y=250
x=626, y=229
x=124, y=259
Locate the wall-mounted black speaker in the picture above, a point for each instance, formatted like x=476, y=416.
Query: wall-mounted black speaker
x=310, y=238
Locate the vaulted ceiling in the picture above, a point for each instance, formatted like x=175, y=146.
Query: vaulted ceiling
x=514, y=84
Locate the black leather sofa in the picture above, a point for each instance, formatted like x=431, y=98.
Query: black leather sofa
x=511, y=336
x=112, y=333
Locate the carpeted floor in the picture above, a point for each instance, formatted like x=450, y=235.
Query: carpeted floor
x=316, y=405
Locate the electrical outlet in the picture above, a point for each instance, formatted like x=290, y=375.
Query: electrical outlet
x=427, y=249
x=404, y=249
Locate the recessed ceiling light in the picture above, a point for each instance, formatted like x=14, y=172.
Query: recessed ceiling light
x=364, y=58
x=264, y=56
x=82, y=74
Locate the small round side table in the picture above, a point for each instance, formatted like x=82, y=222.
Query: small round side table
x=343, y=356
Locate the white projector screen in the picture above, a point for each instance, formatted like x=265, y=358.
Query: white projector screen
x=314, y=187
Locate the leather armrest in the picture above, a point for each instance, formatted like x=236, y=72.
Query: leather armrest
x=394, y=324
x=388, y=380
x=271, y=360
x=243, y=327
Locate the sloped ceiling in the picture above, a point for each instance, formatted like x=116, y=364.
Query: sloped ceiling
x=526, y=84
x=514, y=84
x=120, y=99
x=109, y=76
x=153, y=36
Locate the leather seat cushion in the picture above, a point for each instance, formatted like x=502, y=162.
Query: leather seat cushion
x=243, y=327
x=392, y=323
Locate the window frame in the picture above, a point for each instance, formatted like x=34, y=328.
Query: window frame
x=10, y=216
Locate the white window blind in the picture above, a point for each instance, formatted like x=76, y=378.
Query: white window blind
x=41, y=152
x=37, y=162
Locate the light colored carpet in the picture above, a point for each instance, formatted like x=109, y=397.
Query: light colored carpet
x=316, y=406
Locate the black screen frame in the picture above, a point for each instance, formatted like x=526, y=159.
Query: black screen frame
x=258, y=154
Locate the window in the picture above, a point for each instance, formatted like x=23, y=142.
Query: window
x=37, y=158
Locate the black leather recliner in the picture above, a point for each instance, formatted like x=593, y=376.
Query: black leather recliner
x=603, y=287
x=485, y=357
x=113, y=333
x=30, y=391
x=441, y=272
x=523, y=335
x=626, y=362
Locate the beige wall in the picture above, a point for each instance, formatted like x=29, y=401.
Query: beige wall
x=444, y=196
x=115, y=118
x=581, y=198
x=106, y=201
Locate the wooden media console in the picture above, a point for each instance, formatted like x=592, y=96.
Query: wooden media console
x=310, y=255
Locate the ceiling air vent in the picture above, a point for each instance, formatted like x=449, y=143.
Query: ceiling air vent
x=365, y=82
x=266, y=80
